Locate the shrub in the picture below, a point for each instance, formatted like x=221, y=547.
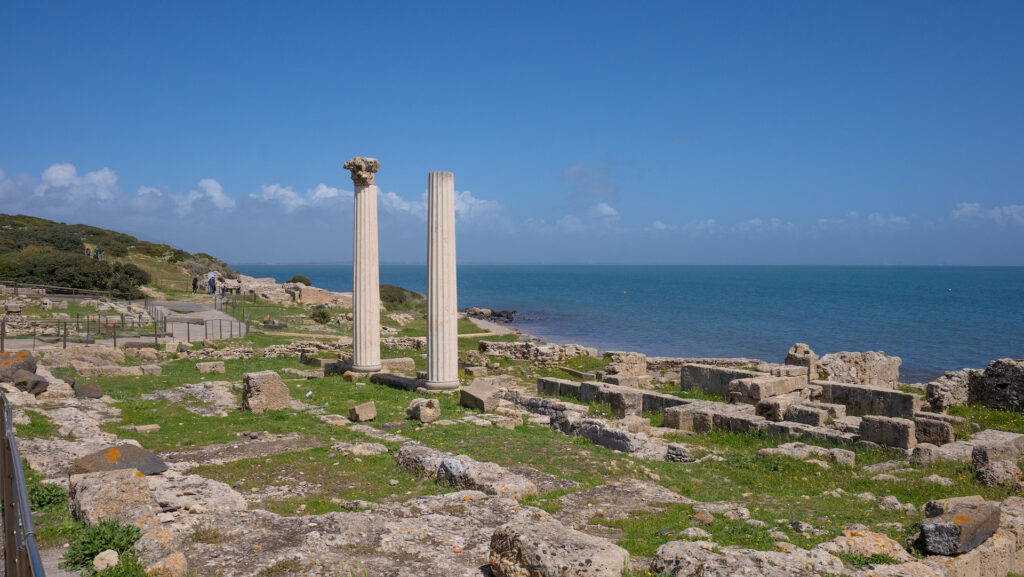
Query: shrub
x=46, y=496
x=301, y=279
x=94, y=540
x=395, y=297
x=320, y=314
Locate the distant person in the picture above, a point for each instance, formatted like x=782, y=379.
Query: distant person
x=195, y=284
x=213, y=285
x=223, y=288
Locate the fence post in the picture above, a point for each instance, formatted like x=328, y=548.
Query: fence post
x=77, y=327
x=65, y=335
x=33, y=337
x=115, y=337
x=188, y=332
x=3, y=334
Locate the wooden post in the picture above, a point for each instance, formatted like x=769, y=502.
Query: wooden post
x=3, y=334
x=115, y=337
x=65, y=335
x=77, y=327
x=188, y=332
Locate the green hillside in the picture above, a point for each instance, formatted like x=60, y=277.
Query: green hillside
x=36, y=250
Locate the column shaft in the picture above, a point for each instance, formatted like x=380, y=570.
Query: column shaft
x=365, y=282
x=442, y=292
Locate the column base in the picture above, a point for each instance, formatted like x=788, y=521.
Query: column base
x=441, y=385
x=365, y=368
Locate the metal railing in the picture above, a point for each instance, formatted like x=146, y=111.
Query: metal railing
x=21, y=554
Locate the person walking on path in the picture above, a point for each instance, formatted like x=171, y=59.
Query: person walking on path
x=195, y=284
x=213, y=285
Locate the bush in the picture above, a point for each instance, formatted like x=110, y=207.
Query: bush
x=94, y=540
x=301, y=279
x=321, y=314
x=395, y=297
x=46, y=496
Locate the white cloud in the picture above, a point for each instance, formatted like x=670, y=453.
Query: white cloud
x=291, y=201
x=396, y=204
x=62, y=183
x=658, y=225
x=603, y=210
x=1012, y=214
x=214, y=192
x=877, y=219
x=468, y=208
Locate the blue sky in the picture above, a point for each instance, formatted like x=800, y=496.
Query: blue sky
x=589, y=132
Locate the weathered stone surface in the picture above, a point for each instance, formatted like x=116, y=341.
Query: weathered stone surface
x=991, y=469
x=216, y=397
x=420, y=459
x=264, y=391
x=622, y=363
x=711, y=379
x=807, y=415
x=870, y=368
x=951, y=389
x=940, y=506
x=123, y=456
x=398, y=364
x=870, y=400
x=888, y=431
x=530, y=351
x=13, y=361
x=87, y=390
x=865, y=544
x=30, y=383
x=110, y=371
x=480, y=395
x=706, y=559
x=754, y=390
x=961, y=529
x=424, y=410
x=105, y=560
x=615, y=500
x=363, y=169
x=1000, y=386
x=462, y=472
x=122, y=495
x=210, y=367
x=801, y=355
x=546, y=548
x=363, y=412
x=933, y=431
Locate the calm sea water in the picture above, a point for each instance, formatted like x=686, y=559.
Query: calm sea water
x=936, y=319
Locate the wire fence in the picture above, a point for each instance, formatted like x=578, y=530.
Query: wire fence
x=8, y=288
x=21, y=553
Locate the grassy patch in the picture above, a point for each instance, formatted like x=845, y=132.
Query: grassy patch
x=39, y=427
x=979, y=417
x=862, y=561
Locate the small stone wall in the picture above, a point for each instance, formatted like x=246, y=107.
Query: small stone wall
x=866, y=400
x=710, y=379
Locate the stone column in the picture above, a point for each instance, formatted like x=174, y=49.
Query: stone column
x=442, y=293
x=365, y=273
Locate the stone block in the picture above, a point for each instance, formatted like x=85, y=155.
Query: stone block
x=13, y=361
x=806, y=415
x=122, y=456
x=210, y=367
x=658, y=402
x=789, y=371
x=1000, y=386
x=264, y=391
x=462, y=472
x=711, y=379
x=398, y=364
x=622, y=380
x=867, y=400
x=87, y=390
x=476, y=371
x=774, y=409
x=546, y=548
x=934, y=431
x=622, y=363
x=151, y=370
x=888, y=431
x=625, y=402
x=940, y=506
x=363, y=412
x=420, y=459
x=801, y=355
x=480, y=395
x=122, y=495
x=424, y=410
x=1000, y=444
x=753, y=390
x=961, y=529
x=30, y=383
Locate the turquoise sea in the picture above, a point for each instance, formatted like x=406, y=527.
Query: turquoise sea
x=935, y=318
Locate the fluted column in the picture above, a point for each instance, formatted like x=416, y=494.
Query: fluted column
x=442, y=292
x=365, y=273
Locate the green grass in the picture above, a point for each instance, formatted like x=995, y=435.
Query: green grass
x=986, y=418
x=39, y=427
x=587, y=363
x=862, y=561
x=340, y=477
x=53, y=522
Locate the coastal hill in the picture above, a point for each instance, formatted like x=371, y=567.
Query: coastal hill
x=40, y=251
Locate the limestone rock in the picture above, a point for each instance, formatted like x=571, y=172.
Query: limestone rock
x=122, y=495
x=940, y=506
x=801, y=355
x=463, y=472
x=123, y=456
x=865, y=544
x=363, y=412
x=13, y=361
x=707, y=559
x=30, y=383
x=888, y=431
x=870, y=368
x=264, y=391
x=105, y=560
x=991, y=468
x=480, y=395
x=210, y=367
x=87, y=390
x=546, y=548
x=1000, y=386
x=961, y=529
x=621, y=363
x=424, y=410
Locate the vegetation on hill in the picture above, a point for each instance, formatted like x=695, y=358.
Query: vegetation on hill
x=40, y=251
